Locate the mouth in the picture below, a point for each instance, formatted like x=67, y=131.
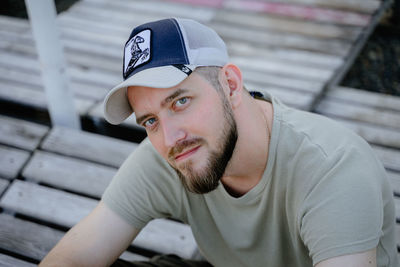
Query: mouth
x=187, y=153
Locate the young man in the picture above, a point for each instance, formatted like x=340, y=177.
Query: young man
x=260, y=184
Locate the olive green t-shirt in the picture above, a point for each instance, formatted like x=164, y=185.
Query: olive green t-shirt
x=323, y=194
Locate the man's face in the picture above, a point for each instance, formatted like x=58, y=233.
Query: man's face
x=192, y=126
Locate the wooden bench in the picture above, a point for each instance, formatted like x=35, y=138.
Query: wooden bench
x=60, y=183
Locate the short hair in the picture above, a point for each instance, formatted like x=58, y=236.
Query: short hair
x=210, y=73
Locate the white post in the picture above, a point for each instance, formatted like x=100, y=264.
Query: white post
x=42, y=16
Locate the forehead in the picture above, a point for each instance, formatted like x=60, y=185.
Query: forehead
x=139, y=96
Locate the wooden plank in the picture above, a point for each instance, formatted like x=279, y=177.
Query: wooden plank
x=67, y=209
x=386, y=118
x=20, y=133
x=8, y=261
x=305, y=12
x=68, y=173
x=300, y=100
x=31, y=65
x=11, y=161
x=355, y=5
x=374, y=134
x=36, y=98
x=294, y=83
x=313, y=59
x=398, y=235
x=281, y=24
x=283, y=69
x=363, y=97
x=3, y=185
x=394, y=178
x=26, y=238
x=331, y=47
x=89, y=146
x=46, y=204
x=201, y=14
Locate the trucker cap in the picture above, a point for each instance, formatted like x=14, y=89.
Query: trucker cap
x=162, y=54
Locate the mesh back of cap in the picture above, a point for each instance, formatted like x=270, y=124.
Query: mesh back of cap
x=204, y=46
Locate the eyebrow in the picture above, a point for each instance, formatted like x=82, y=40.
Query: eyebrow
x=167, y=100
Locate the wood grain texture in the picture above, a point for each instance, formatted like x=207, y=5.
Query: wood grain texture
x=67, y=209
x=26, y=238
x=8, y=261
x=46, y=204
x=394, y=178
x=3, y=185
x=68, y=173
x=11, y=161
x=20, y=133
x=89, y=146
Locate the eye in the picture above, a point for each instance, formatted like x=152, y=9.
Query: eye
x=181, y=102
x=149, y=123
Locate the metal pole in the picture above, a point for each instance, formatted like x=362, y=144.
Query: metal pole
x=42, y=16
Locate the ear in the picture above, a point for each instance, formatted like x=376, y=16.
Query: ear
x=232, y=81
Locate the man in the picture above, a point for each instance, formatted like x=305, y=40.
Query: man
x=260, y=184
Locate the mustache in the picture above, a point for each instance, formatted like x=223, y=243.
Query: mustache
x=182, y=145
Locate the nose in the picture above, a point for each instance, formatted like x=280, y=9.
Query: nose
x=172, y=132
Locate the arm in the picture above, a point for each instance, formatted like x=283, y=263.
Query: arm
x=363, y=259
x=97, y=240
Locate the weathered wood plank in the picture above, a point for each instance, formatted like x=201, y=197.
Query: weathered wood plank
x=3, y=185
x=375, y=116
x=89, y=146
x=36, y=98
x=355, y=5
x=8, y=261
x=46, y=204
x=332, y=47
x=294, y=84
x=362, y=97
x=301, y=100
x=281, y=24
x=67, y=209
x=20, y=133
x=26, y=238
x=313, y=59
x=306, y=12
x=32, y=66
x=11, y=161
x=284, y=69
x=68, y=173
x=398, y=236
x=202, y=14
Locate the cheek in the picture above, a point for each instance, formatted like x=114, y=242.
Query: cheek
x=158, y=144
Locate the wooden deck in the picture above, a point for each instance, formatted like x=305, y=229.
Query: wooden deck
x=51, y=177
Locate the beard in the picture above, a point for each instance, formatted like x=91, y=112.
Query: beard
x=207, y=179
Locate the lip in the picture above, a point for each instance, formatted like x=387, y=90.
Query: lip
x=187, y=153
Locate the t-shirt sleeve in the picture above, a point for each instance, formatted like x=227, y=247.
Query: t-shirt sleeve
x=144, y=188
x=342, y=212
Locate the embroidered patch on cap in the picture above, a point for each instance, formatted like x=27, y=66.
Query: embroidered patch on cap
x=137, y=51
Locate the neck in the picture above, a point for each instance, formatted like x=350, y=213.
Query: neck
x=249, y=160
